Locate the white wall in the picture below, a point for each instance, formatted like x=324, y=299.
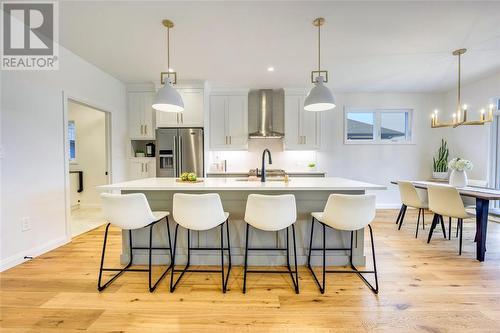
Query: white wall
x=471, y=142
x=33, y=165
x=90, y=149
x=372, y=163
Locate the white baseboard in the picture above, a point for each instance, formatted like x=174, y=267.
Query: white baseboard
x=18, y=258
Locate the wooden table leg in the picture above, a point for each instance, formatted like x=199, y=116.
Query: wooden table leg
x=482, y=206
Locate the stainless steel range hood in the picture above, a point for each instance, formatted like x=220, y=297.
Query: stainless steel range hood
x=266, y=111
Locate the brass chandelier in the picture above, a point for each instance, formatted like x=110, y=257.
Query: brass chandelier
x=460, y=116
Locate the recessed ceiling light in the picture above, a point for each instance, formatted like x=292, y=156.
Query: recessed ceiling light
x=171, y=70
x=270, y=69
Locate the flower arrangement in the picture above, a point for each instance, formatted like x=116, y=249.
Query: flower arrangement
x=459, y=164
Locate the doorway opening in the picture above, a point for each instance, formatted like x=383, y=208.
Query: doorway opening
x=88, y=160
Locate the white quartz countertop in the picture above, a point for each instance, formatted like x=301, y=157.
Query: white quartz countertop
x=234, y=184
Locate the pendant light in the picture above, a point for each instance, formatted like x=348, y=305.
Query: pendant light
x=320, y=98
x=167, y=98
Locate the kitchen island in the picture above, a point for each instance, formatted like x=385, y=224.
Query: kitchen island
x=311, y=195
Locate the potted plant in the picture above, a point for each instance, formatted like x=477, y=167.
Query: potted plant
x=140, y=153
x=458, y=176
x=440, y=168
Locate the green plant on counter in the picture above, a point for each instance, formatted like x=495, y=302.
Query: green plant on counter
x=311, y=165
x=441, y=161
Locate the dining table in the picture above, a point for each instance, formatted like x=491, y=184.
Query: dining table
x=483, y=196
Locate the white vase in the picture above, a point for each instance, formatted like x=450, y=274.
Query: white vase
x=458, y=178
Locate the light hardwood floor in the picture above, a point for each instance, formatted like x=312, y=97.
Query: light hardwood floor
x=427, y=288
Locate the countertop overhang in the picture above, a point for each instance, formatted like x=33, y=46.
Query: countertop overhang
x=233, y=184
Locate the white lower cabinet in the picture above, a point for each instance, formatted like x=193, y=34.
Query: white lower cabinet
x=142, y=167
x=228, y=117
x=302, y=128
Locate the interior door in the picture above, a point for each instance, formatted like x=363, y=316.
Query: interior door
x=191, y=150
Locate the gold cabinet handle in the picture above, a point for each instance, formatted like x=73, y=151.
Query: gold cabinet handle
x=177, y=116
x=146, y=129
x=142, y=131
x=230, y=139
x=142, y=167
x=182, y=118
x=146, y=167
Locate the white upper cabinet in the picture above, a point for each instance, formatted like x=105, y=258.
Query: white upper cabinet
x=302, y=128
x=141, y=116
x=192, y=116
x=228, y=121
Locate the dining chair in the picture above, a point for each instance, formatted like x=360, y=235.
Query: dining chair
x=445, y=200
x=411, y=198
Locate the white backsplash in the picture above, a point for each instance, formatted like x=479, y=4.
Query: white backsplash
x=251, y=158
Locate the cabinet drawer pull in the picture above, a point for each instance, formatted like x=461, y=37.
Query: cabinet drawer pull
x=182, y=118
x=146, y=167
x=142, y=132
x=142, y=167
x=146, y=129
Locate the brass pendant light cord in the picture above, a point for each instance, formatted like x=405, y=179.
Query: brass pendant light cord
x=459, y=97
x=168, y=49
x=319, y=47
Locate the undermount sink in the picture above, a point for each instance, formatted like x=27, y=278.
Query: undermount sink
x=255, y=179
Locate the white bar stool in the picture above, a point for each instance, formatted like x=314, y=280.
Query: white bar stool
x=200, y=212
x=272, y=213
x=444, y=200
x=410, y=198
x=131, y=212
x=349, y=213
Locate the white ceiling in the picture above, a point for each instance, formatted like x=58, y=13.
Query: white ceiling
x=366, y=46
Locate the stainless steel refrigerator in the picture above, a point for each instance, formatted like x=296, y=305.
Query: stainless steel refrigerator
x=179, y=150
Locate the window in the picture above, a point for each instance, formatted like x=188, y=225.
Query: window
x=377, y=125
x=72, y=139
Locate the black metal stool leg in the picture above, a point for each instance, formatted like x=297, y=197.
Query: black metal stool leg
x=423, y=218
x=310, y=244
x=222, y=257
x=172, y=287
x=295, y=258
x=152, y=287
x=246, y=260
x=119, y=270
x=458, y=226
x=229, y=253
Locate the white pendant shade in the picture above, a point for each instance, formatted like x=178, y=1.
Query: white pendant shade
x=320, y=98
x=168, y=99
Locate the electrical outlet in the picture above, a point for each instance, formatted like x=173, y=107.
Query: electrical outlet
x=25, y=224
